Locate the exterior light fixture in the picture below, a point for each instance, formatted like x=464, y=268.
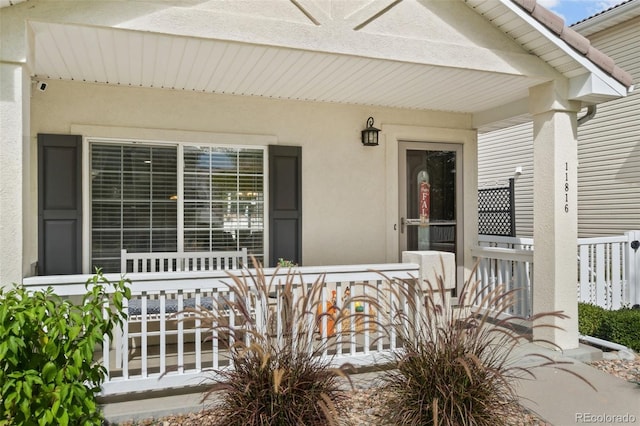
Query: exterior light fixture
x=370, y=134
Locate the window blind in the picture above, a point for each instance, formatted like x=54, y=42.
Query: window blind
x=224, y=199
x=135, y=205
x=133, y=201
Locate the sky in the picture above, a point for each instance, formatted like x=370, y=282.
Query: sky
x=576, y=10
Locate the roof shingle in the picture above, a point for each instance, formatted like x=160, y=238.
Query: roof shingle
x=578, y=42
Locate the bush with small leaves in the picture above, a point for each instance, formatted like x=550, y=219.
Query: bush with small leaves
x=47, y=372
x=621, y=326
x=590, y=319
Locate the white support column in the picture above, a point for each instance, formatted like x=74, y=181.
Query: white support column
x=14, y=170
x=555, y=229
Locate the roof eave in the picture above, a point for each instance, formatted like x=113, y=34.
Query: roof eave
x=596, y=84
x=594, y=23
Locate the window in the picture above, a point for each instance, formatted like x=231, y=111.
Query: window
x=135, y=203
x=223, y=199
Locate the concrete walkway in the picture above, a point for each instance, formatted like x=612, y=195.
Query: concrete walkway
x=558, y=397
x=562, y=399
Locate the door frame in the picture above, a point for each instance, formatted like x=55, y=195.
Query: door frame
x=391, y=136
x=403, y=147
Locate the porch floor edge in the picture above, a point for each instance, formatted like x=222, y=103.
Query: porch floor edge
x=156, y=404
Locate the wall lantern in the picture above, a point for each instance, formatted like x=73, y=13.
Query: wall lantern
x=370, y=134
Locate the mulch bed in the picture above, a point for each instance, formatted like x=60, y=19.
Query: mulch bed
x=364, y=406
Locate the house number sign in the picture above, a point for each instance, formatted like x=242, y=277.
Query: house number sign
x=566, y=187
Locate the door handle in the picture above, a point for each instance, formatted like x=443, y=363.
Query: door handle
x=402, y=225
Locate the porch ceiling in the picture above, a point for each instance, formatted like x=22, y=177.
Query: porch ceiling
x=496, y=97
x=144, y=59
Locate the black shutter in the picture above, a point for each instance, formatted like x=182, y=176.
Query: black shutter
x=285, y=204
x=59, y=204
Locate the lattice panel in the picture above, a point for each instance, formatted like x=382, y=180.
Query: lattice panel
x=496, y=211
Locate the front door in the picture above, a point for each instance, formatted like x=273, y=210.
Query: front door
x=431, y=197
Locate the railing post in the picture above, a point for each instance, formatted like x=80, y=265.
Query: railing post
x=633, y=267
x=434, y=264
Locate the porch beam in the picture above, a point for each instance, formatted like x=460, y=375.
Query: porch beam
x=555, y=229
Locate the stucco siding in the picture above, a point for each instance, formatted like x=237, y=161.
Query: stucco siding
x=343, y=204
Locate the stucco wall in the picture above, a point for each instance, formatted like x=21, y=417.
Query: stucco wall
x=417, y=31
x=14, y=149
x=344, y=184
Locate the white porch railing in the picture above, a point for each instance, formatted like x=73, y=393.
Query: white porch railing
x=608, y=269
x=156, y=350
x=507, y=261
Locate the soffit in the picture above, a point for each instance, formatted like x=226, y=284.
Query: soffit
x=500, y=15
x=543, y=33
x=145, y=59
x=128, y=57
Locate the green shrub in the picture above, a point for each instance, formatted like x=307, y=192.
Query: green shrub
x=47, y=373
x=623, y=327
x=620, y=326
x=278, y=376
x=590, y=319
x=455, y=366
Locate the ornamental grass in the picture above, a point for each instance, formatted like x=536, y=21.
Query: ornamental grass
x=455, y=365
x=282, y=371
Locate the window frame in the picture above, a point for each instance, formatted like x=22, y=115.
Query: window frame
x=179, y=146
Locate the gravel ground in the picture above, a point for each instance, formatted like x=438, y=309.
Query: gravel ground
x=628, y=370
x=364, y=405
x=363, y=409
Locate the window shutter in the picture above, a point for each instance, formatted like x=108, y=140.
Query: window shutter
x=285, y=203
x=59, y=204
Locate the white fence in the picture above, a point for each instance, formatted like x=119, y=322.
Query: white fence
x=157, y=349
x=609, y=274
x=608, y=269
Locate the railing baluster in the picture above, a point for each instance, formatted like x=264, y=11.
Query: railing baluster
x=353, y=285
x=616, y=283
x=339, y=328
x=215, y=298
x=143, y=334
x=163, y=331
x=583, y=262
x=124, y=350
x=180, y=327
x=393, y=317
x=366, y=319
x=232, y=317
x=106, y=342
x=379, y=319
x=198, y=332
x=601, y=290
